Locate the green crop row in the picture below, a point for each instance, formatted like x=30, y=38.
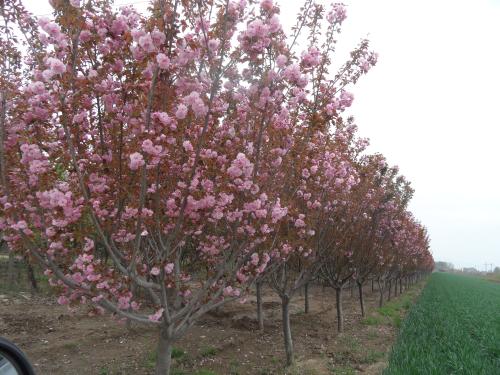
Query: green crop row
x=454, y=328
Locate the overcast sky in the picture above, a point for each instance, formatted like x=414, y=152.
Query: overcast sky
x=431, y=106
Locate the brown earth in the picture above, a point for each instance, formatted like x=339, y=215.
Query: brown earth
x=58, y=341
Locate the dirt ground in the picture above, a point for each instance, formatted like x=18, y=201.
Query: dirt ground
x=58, y=341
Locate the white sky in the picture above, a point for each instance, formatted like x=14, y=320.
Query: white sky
x=431, y=106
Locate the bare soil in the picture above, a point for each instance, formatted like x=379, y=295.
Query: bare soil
x=59, y=341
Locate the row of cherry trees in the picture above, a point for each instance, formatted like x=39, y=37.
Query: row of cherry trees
x=158, y=166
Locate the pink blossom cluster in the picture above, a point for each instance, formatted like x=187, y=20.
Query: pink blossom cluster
x=37, y=162
x=196, y=103
x=337, y=14
x=240, y=167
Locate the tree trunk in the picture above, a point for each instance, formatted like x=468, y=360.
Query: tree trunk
x=128, y=323
x=361, y=301
x=31, y=277
x=395, y=287
x=11, y=271
x=351, y=284
x=260, y=312
x=340, y=317
x=163, y=354
x=306, y=298
x=373, y=287
x=381, y=293
x=390, y=290
x=287, y=332
x=401, y=286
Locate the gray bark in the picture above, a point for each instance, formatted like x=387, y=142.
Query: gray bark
x=306, y=298
x=287, y=332
x=164, y=354
x=340, y=316
x=260, y=312
x=381, y=294
x=11, y=271
x=361, y=299
x=31, y=277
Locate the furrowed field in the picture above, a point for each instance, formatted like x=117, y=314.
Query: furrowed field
x=453, y=329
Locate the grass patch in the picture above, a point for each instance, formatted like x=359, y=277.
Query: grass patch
x=233, y=367
x=453, y=329
x=349, y=342
x=208, y=351
x=178, y=353
x=372, y=356
x=151, y=360
x=205, y=372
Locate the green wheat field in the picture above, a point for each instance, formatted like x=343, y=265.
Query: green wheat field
x=454, y=328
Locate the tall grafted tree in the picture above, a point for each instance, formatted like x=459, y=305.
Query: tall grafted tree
x=139, y=154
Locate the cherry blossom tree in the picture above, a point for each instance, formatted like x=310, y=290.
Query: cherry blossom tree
x=158, y=165
x=155, y=139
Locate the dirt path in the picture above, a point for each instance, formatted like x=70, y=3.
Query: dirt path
x=227, y=342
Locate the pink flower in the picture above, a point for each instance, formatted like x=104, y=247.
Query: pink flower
x=146, y=42
x=75, y=3
x=213, y=44
x=123, y=302
x=292, y=73
x=281, y=60
x=196, y=103
x=56, y=65
x=85, y=36
x=337, y=14
x=158, y=37
x=311, y=58
x=89, y=244
x=119, y=25
x=156, y=316
x=164, y=118
x=274, y=24
x=181, y=112
x=346, y=98
x=137, y=33
x=163, y=61
x=299, y=223
x=169, y=268
x=266, y=4
x=155, y=271
x=62, y=300
x=255, y=259
x=278, y=212
x=240, y=166
x=149, y=148
x=187, y=146
x=136, y=161
x=228, y=291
